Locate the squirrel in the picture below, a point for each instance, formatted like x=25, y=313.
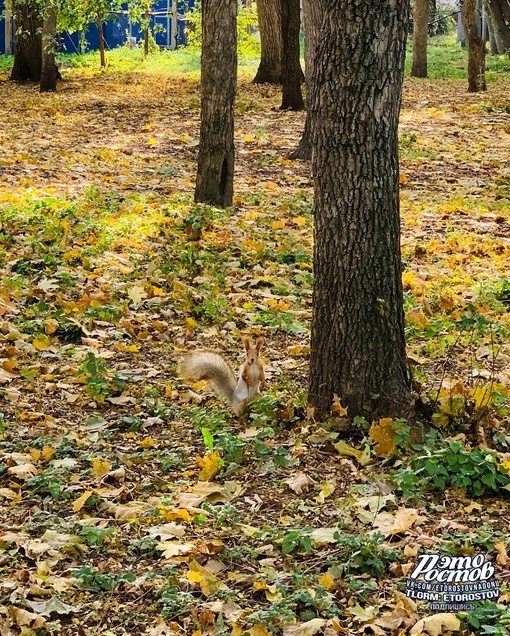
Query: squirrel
x=207, y=365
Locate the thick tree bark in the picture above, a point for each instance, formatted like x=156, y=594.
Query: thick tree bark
x=420, y=37
x=500, y=27
x=49, y=67
x=292, y=98
x=102, y=56
x=313, y=10
x=27, y=43
x=215, y=175
x=357, y=340
x=476, y=48
x=271, y=45
x=8, y=27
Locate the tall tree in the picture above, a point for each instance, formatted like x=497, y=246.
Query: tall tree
x=27, y=41
x=499, y=20
x=215, y=175
x=357, y=340
x=8, y=27
x=313, y=10
x=292, y=98
x=420, y=36
x=49, y=69
x=271, y=45
x=476, y=47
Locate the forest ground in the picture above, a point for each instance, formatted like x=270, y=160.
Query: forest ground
x=130, y=504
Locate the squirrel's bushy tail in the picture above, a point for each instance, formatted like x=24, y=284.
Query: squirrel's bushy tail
x=206, y=365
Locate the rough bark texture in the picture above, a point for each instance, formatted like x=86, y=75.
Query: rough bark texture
x=357, y=340
x=271, y=46
x=498, y=24
x=313, y=10
x=292, y=98
x=27, y=43
x=8, y=27
x=102, y=55
x=49, y=67
x=215, y=176
x=420, y=37
x=476, y=48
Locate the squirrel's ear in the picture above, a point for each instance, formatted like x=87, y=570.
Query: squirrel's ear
x=246, y=343
x=259, y=343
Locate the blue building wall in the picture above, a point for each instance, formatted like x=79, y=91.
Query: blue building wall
x=117, y=29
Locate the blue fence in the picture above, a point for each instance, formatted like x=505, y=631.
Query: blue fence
x=167, y=24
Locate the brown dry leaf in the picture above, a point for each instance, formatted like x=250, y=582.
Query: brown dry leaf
x=436, y=625
x=400, y=522
x=162, y=629
x=24, y=618
x=502, y=558
x=337, y=408
x=172, y=549
x=23, y=471
x=256, y=630
x=310, y=628
x=206, y=490
x=299, y=482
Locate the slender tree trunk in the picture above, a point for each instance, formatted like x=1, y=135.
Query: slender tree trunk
x=500, y=27
x=271, y=45
x=420, y=37
x=357, y=340
x=146, y=35
x=102, y=55
x=494, y=44
x=215, y=175
x=8, y=27
x=49, y=67
x=476, y=48
x=27, y=43
x=292, y=98
x=313, y=10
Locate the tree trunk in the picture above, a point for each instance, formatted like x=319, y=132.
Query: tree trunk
x=27, y=43
x=313, y=10
x=357, y=339
x=420, y=37
x=146, y=35
x=49, y=67
x=102, y=55
x=500, y=27
x=292, y=98
x=8, y=27
x=215, y=175
x=494, y=43
x=271, y=45
x=476, y=48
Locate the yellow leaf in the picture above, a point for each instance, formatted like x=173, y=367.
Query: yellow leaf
x=271, y=185
x=194, y=577
x=403, y=179
x=137, y=293
x=81, y=501
x=100, y=467
x=50, y=326
x=482, y=396
x=384, y=435
x=209, y=584
x=300, y=220
x=152, y=142
x=327, y=581
x=42, y=342
x=147, y=442
x=209, y=466
x=278, y=225
x=35, y=454
x=47, y=452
